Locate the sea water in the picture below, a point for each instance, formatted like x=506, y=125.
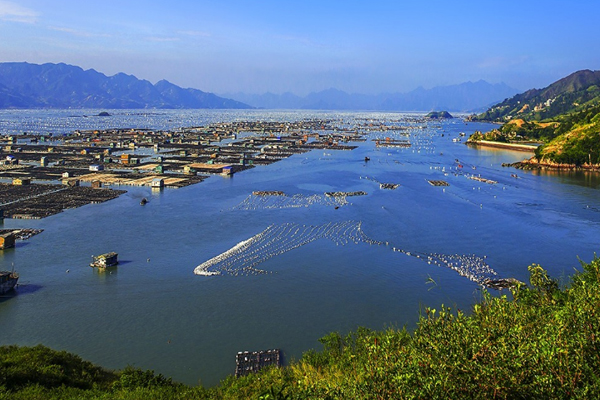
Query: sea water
x=152, y=312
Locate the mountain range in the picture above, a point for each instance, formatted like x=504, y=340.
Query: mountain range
x=465, y=97
x=25, y=85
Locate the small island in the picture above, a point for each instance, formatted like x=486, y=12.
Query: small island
x=439, y=115
x=104, y=114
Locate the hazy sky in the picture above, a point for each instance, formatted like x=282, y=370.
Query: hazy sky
x=256, y=46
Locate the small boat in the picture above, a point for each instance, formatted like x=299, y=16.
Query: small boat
x=105, y=260
x=8, y=281
x=143, y=202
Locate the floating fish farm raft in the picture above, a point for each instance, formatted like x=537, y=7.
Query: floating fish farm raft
x=50, y=173
x=39, y=201
x=484, y=180
x=105, y=260
x=250, y=362
x=390, y=186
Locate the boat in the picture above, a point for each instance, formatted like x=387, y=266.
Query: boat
x=106, y=260
x=8, y=280
x=144, y=201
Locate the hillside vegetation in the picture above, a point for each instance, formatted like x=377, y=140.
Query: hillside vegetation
x=576, y=141
x=573, y=93
x=564, y=117
x=540, y=341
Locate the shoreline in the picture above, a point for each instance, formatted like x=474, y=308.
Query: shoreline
x=534, y=164
x=501, y=145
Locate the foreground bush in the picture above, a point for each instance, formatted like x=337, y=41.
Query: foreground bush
x=541, y=342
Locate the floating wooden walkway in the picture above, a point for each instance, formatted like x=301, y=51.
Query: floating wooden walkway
x=250, y=362
x=438, y=183
x=268, y=193
x=388, y=142
x=345, y=194
x=390, y=186
x=484, y=180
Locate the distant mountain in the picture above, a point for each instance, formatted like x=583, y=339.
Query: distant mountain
x=269, y=100
x=464, y=97
x=24, y=85
x=570, y=94
x=469, y=96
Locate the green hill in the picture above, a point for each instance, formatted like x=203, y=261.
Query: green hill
x=565, y=117
x=574, y=93
x=540, y=342
x=577, y=141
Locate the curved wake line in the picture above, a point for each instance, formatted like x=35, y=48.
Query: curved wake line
x=278, y=239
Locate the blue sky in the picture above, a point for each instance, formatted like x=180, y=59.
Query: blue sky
x=303, y=46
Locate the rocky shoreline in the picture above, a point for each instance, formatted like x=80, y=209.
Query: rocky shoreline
x=535, y=164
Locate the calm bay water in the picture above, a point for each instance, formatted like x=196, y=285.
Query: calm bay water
x=154, y=313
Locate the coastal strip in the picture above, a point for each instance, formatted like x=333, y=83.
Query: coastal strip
x=535, y=164
x=501, y=145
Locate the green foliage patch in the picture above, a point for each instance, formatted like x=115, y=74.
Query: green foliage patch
x=570, y=94
x=540, y=341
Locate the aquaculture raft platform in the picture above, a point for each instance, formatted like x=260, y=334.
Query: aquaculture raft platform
x=249, y=362
x=439, y=183
x=40, y=201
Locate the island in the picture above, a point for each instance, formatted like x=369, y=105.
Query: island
x=439, y=115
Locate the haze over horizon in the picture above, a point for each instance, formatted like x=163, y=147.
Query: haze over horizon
x=267, y=46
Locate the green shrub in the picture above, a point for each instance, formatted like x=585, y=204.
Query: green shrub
x=536, y=342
